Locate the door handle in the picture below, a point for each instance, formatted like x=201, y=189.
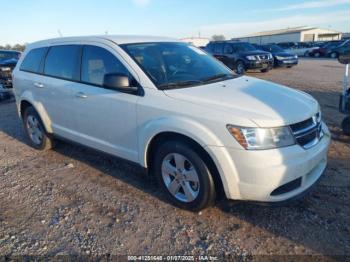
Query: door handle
x=81, y=95
x=39, y=85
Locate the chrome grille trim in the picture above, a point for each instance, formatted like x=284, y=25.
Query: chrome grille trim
x=308, y=133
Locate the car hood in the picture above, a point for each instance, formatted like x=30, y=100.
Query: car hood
x=9, y=62
x=262, y=102
x=255, y=52
x=283, y=54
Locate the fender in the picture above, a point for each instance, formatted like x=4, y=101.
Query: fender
x=202, y=135
x=180, y=125
x=28, y=96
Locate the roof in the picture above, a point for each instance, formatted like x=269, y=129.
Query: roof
x=285, y=31
x=118, y=39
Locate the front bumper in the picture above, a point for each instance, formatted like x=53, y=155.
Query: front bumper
x=6, y=79
x=259, y=64
x=286, y=62
x=256, y=175
x=6, y=83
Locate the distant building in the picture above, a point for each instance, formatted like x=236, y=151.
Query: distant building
x=296, y=34
x=346, y=36
x=196, y=41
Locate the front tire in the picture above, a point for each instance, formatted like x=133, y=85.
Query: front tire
x=35, y=130
x=183, y=176
x=240, y=68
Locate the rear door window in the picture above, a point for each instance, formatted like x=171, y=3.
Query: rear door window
x=33, y=62
x=63, y=62
x=228, y=49
x=218, y=48
x=97, y=62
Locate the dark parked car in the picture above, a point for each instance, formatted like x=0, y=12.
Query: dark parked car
x=324, y=48
x=8, y=61
x=241, y=56
x=282, y=58
x=335, y=51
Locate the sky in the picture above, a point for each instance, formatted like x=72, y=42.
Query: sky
x=25, y=21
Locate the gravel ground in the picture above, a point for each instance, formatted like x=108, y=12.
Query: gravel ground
x=75, y=201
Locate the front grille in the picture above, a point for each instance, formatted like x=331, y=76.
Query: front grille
x=308, y=133
x=302, y=125
x=263, y=57
x=5, y=74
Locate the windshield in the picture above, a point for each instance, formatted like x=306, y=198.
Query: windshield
x=4, y=55
x=273, y=48
x=174, y=65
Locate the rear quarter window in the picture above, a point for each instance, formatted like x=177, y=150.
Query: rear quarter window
x=33, y=62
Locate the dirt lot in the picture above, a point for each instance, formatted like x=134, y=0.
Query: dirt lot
x=76, y=201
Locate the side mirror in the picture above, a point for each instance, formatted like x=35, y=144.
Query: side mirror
x=344, y=58
x=118, y=82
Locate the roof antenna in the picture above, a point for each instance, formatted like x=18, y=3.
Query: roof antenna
x=59, y=33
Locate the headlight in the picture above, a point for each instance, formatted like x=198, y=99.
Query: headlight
x=279, y=57
x=270, y=56
x=5, y=68
x=295, y=56
x=251, y=57
x=262, y=138
x=318, y=117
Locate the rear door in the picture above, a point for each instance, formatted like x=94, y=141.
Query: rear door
x=61, y=73
x=228, y=56
x=29, y=74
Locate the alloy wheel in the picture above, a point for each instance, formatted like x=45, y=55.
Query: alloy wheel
x=180, y=177
x=240, y=68
x=34, y=130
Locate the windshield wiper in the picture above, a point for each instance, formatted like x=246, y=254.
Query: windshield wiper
x=218, y=77
x=179, y=84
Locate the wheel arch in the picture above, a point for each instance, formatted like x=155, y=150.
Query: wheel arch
x=162, y=137
x=28, y=101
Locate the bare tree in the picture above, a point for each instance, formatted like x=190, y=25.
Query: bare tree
x=16, y=47
x=218, y=37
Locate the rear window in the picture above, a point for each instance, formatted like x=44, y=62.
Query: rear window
x=63, y=62
x=33, y=60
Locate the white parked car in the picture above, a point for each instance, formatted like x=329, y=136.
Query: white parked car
x=177, y=111
x=299, y=49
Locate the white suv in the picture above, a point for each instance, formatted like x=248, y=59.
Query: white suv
x=177, y=111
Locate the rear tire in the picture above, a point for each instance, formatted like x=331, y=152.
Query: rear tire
x=183, y=176
x=346, y=126
x=35, y=130
x=317, y=55
x=265, y=70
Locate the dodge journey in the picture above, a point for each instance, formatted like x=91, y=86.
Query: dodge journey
x=177, y=111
